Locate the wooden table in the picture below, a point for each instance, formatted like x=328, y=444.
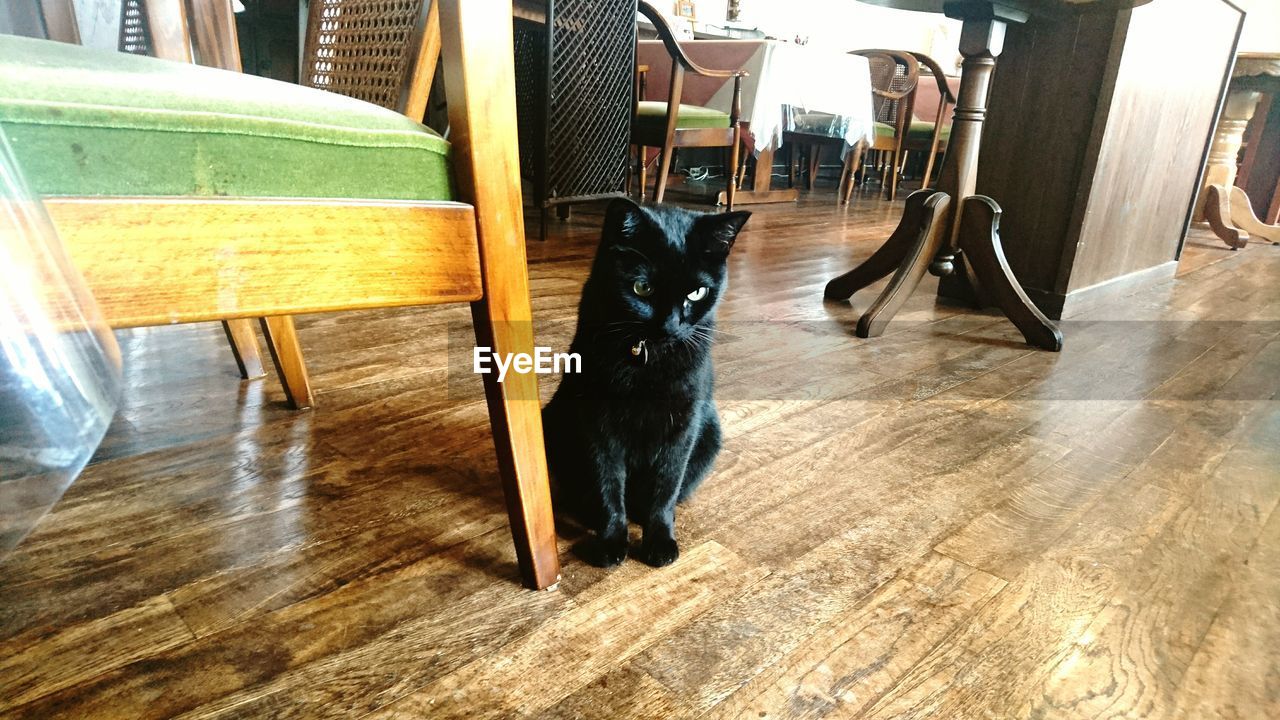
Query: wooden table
x=1223, y=205
x=952, y=230
x=780, y=75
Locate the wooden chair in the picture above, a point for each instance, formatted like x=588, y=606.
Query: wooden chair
x=173, y=42
x=299, y=200
x=670, y=125
x=930, y=136
x=894, y=75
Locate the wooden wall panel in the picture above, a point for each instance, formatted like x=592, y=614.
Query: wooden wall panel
x=1162, y=113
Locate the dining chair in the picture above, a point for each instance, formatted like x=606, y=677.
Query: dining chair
x=670, y=125
x=172, y=42
x=929, y=135
x=189, y=194
x=894, y=76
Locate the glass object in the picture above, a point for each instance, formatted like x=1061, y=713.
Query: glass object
x=59, y=362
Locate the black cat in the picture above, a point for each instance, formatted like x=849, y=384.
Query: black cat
x=637, y=430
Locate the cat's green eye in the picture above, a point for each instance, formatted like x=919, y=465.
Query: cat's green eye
x=697, y=295
x=642, y=288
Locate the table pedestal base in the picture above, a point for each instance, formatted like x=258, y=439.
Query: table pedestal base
x=919, y=238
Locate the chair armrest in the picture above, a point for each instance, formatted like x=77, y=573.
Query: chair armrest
x=676, y=52
x=939, y=76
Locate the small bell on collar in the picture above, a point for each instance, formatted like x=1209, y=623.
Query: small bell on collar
x=641, y=351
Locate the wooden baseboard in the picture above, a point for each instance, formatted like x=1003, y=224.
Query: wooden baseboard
x=1063, y=307
x=1060, y=306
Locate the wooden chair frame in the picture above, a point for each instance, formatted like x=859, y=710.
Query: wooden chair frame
x=892, y=146
x=318, y=255
x=672, y=137
x=946, y=101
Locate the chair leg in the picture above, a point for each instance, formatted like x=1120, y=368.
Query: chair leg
x=815, y=157
x=664, y=166
x=733, y=167
x=844, y=174
x=286, y=353
x=244, y=347
x=644, y=171
x=891, y=173
x=482, y=107
x=928, y=170
x=854, y=163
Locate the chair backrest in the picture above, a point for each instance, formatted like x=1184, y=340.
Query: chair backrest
x=931, y=68
x=135, y=34
x=380, y=51
x=894, y=76
x=665, y=34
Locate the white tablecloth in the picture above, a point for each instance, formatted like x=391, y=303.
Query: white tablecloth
x=782, y=76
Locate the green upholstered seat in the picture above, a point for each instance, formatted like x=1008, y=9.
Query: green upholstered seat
x=89, y=122
x=651, y=117
x=921, y=131
x=884, y=130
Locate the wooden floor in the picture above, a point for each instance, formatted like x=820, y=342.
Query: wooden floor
x=940, y=523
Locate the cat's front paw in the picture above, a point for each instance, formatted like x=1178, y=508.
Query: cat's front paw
x=607, y=552
x=659, y=551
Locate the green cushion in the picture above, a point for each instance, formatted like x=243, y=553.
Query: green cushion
x=651, y=116
x=88, y=122
x=922, y=131
x=884, y=130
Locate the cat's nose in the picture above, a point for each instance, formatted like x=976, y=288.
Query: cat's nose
x=672, y=324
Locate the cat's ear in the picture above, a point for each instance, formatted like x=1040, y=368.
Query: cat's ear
x=721, y=230
x=622, y=219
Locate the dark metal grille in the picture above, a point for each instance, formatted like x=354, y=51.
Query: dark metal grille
x=135, y=36
x=592, y=60
x=361, y=48
x=531, y=94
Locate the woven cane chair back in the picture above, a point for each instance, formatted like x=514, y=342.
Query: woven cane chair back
x=370, y=50
x=894, y=76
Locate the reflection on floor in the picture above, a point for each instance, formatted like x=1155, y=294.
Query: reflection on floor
x=938, y=523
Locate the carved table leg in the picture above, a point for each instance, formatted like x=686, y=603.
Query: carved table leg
x=926, y=237
x=915, y=220
x=980, y=243
x=1223, y=205
x=1217, y=212
x=1242, y=216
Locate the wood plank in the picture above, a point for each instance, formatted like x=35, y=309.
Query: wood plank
x=1045, y=622
x=624, y=692
x=997, y=662
x=860, y=654
x=1235, y=673
x=609, y=629
x=426, y=606
x=38, y=663
x=154, y=261
x=1130, y=659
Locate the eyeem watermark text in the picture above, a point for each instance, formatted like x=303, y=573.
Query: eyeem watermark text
x=541, y=362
